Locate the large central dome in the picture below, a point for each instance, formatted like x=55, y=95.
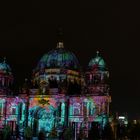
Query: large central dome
x=59, y=65
x=59, y=58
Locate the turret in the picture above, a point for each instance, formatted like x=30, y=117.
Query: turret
x=6, y=77
x=97, y=76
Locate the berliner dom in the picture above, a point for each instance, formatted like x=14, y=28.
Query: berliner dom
x=58, y=95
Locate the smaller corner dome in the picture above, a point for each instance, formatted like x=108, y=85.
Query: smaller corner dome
x=4, y=67
x=98, y=61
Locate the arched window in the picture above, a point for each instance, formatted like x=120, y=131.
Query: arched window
x=91, y=107
x=13, y=111
x=76, y=109
x=20, y=111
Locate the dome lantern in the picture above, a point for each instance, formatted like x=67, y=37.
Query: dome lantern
x=60, y=45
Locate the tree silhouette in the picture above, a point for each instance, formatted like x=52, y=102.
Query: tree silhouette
x=41, y=135
x=107, y=132
x=94, y=132
x=135, y=131
x=68, y=133
x=28, y=133
x=53, y=133
x=6, y=133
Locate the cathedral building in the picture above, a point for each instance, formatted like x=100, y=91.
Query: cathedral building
x=59, y=95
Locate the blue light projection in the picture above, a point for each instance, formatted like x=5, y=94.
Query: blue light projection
x=45, y=118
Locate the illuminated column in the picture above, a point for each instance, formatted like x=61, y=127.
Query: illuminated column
x=62, y=112
x=18, y=113
x=59, y=110
x=103, y=107
x=108, y=107
x=87, y=108
x=5, y=107
x=1, y=110
x=58, y=113
x=2, y=81
x=19, y=116
x=27, y=112
x=67, y=111
x=99, y=108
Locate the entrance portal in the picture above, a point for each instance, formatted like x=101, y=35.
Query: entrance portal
x=42, y=119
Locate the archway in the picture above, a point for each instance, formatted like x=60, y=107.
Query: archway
x=42, y=119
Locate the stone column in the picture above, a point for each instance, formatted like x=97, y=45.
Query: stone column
x=67, y=112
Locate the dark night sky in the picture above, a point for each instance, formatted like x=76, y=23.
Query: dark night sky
x=28, y=30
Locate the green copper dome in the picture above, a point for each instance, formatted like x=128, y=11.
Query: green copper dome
x=98, y=61
x=59, y=58
x=4, y=67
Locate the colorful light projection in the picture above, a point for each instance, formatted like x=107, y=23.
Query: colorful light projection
x=42, y=110
x=97, y=62
x=11, y=109
x=43, y=118
x=59, y=58
x=15, y=101
x=81, y=108
x=58, y=63
x=87, y=107
x=43, y=101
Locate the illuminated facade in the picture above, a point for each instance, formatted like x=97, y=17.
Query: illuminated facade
x=60, y=94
